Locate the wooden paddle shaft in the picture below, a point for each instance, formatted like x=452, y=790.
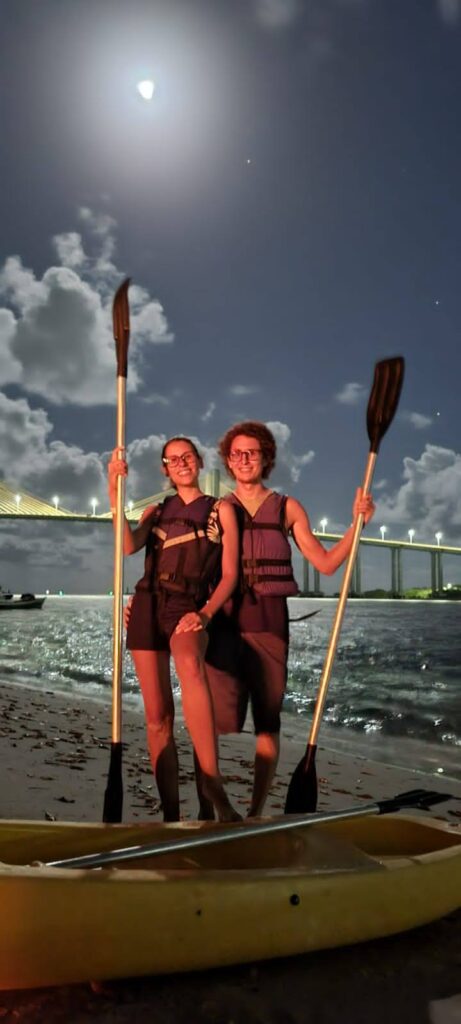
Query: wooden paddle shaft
x=340, y=609
x=117, y=648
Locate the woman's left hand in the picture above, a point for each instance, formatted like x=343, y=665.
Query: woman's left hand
x=364, y=506
x=191, y=622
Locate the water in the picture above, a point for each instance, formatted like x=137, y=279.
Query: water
x=395, y=691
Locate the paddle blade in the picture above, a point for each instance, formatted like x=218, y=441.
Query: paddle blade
x=302, y=791
x=113, y=797
x=121, y=323
x=384, y=398
x=423, y=799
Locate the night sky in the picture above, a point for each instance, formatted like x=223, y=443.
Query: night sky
x=288, y=207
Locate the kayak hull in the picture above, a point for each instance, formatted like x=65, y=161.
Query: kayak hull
x=290, y=893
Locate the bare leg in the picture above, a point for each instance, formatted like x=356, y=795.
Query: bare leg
x=153, y=672
x=266, y=758
x=205, y=809
x=188, y=650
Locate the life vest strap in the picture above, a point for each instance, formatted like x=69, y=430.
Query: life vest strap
x=253, y=563
x=259, y=577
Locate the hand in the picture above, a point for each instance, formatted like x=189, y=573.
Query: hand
x=127, y=612
x=192, y=622
x=117, y=467
x=364, y=506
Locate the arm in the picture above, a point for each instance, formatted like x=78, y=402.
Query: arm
x=194, y=621
x=134, y=538
x=326, y=561
x=229, y=563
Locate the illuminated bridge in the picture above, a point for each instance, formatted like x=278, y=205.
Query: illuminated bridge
x=21, y=505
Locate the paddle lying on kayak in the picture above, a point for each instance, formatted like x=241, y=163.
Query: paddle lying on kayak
x=382, y=405
x=113, y=797
x=417, y=798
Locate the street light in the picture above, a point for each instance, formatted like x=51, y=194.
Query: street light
x=130, y=506
x=438, y=537
x=411, y=534
x=383, y=530
x=55, y=501
x=93, y=503
x=17, y=499
x=323, y=523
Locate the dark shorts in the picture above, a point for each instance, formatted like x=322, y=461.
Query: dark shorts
x=154, y=618
x=250, y=667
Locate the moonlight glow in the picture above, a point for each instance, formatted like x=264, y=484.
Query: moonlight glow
x=146, y=89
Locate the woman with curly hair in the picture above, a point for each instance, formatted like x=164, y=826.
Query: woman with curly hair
x=252, y=665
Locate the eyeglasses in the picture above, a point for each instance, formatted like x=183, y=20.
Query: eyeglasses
x=252, y=454
x=175, y=460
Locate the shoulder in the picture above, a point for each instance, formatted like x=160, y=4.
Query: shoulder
x=151, y=512
x=294, y=512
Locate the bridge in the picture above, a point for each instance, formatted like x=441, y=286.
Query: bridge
x=21, y=505
x=395, y=548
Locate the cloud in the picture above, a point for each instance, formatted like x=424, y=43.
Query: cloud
x=417, y=419
x=30, y=461
x=208, y=412
x=430, y=497
x=276, y=14
x=288, y=464
x=241, y=390
x=56, y=339
x=351, y=394
x=450, y=11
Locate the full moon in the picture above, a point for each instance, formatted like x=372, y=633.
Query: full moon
x=146, y=89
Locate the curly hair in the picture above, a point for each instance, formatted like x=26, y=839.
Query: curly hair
x=261, y=433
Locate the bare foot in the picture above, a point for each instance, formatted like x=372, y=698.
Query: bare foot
x=214, y=791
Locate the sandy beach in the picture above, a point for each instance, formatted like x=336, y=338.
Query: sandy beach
x=54, y=758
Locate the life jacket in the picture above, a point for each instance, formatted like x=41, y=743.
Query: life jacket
x=265, y=551
x=183, y=549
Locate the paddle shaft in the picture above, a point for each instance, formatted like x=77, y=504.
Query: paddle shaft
x=117, y=643
x=414, y=798
x=340, y=608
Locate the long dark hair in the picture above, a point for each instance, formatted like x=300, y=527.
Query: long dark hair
x=180, y=437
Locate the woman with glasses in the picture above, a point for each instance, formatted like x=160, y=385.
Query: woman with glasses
x=191, y=569
x=252, y=665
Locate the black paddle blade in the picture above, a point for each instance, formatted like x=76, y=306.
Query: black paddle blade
x=384, y=398
x=113, y=797
x=420, y=798
x=121, y=322
x=302, y=791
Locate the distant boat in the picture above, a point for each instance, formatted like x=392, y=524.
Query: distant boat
x=8, y=601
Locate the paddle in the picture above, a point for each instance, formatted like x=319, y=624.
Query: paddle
x=113, y=797
x=419, y=798
x=382, y=405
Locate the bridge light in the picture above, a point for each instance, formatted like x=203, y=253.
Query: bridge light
x=323, y=524
x=383, y=530
x=17, y=499
x=411, y=534
x=438, y=537
x=93, y=503
x=55, y=501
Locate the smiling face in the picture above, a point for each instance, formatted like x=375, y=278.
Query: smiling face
x=181, y=463
x=245, y=459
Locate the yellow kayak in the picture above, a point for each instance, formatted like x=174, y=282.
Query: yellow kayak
x=311, y=888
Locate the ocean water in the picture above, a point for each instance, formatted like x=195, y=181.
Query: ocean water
x=394, y=694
